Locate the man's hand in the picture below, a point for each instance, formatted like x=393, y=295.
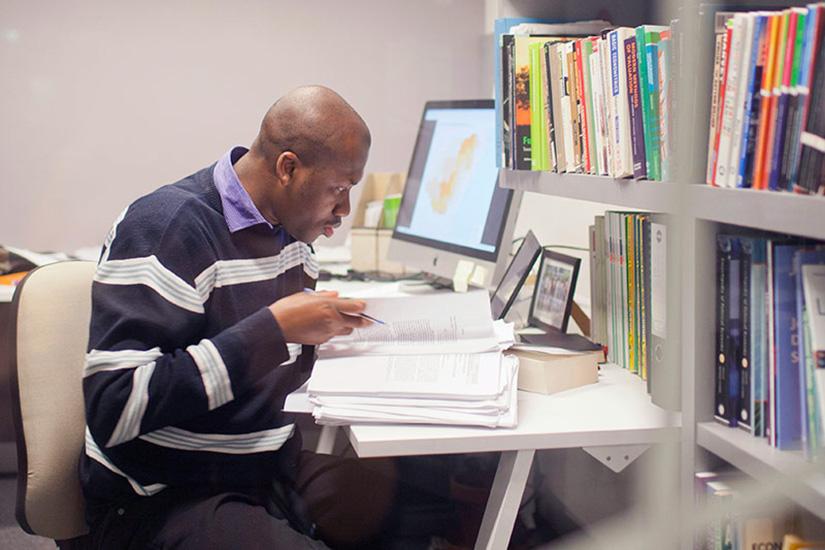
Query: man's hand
x=315, y=317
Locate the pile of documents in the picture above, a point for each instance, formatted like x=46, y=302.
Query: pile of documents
x=436, y=359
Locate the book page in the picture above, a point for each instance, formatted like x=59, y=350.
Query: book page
x=437, y=323
x=454, y=376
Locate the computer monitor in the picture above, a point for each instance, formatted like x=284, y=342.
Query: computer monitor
x=452, y=207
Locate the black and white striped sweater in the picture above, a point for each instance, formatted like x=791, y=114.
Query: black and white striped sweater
x=187, y=369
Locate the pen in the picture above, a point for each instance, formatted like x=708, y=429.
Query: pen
x=364, y=315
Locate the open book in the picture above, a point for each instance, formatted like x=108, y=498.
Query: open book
x=436, y=360
x=436, y=323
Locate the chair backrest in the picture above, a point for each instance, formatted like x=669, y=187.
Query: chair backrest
x=50, y=332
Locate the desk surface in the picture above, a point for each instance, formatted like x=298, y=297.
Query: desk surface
x=615, y=411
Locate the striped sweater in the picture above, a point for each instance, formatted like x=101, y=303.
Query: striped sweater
x=187, y=369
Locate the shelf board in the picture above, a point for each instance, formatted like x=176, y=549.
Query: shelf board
x=756, y=458
x=802, y=215
x=643, y=195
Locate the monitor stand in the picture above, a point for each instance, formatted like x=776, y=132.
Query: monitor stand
x=426, y=283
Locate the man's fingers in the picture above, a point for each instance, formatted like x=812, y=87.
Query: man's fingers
x=327, y=293
x=350, y=306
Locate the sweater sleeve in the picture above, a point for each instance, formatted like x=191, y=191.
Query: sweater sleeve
x=148, y=364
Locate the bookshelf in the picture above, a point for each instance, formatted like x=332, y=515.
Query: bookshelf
x=698, y=212
x=627, y=193
x=759, y=460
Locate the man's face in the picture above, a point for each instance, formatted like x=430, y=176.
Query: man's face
x=320, y=197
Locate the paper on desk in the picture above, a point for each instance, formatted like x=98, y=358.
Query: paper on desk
x=425, y=411
x=438, y=323
x=449, y=376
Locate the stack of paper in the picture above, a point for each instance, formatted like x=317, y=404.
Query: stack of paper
x=436, y=360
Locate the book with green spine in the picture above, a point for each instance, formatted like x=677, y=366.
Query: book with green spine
x=538, y=139
x=644, y=33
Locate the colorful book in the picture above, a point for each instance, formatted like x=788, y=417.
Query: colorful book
x=813, y=283
x=812, y=138
x=635, y=109
x=765, y=105
x=750, y=123
x=645, y=35
x=620, y=137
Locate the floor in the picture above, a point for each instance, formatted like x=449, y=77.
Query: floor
x=11, y=535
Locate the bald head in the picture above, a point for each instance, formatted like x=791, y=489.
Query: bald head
x=313, y=122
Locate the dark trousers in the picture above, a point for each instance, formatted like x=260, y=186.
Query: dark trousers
x=343, y=502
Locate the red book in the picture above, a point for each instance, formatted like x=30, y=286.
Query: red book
x=722, y=86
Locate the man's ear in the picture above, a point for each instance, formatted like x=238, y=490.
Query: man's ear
x=286, y=166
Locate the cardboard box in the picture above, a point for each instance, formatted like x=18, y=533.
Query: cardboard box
x=547, y=373
x=370, y=244
x=376, y=186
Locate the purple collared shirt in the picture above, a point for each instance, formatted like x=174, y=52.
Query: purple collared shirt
x=238, y=209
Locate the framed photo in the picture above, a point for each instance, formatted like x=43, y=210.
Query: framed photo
x=553, y=295
x=515, y=275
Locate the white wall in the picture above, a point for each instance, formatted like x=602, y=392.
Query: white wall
x=102, y=102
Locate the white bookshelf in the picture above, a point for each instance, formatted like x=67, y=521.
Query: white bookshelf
x=759, y=209
x=698, y=212
x=627, y=193
x=758, y=459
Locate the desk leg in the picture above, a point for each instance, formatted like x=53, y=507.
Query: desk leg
x=326, y=440
x=505, y=499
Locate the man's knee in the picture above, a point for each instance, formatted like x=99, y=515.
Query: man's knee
x=348, y=499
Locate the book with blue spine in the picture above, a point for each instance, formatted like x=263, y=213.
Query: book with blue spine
x=787, y=429
x=758, y=337
x=723, y=408
x=751, y=112
x=744, y=418
x=807, y=386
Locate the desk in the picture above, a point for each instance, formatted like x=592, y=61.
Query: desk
x=615, y=412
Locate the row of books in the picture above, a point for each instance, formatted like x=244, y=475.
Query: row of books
x=627, y=262
x=734, y=530
x=767, y=118
x=770, y=339
x=594, y=104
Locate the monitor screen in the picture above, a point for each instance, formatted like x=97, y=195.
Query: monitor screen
x=451, y=198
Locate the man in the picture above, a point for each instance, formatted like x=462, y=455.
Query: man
x=201, y=326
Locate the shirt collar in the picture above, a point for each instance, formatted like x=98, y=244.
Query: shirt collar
x=238, y=209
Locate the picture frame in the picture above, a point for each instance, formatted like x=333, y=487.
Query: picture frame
x=553, y=295
x=514, y=276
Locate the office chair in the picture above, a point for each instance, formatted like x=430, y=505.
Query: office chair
x=47, y=345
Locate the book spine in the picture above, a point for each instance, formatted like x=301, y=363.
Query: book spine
x=801, y=99
x=607, y=107
x=786, y=330
x=781, y=93
x=759, y=344
x=653, y=129
x=791, y=128
x=583, y=85
x=723, y=84
x=645, y=300
x=631, y=292
x=521, y=95
x=714, y=105
x=753, y=103
x=511, y=93
x=665, y=98
x=637, y=136
x=742, y=102
x=722, y=410
x=641, y=63
x=745, y=420
x=620, y=136
x=504, y=78
x=549, y=121
x=770, y=97
x=812, y=160
x=536, y=110
x=729, y=100
x=801, y=314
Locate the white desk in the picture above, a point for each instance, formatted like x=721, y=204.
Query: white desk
x=616, y=412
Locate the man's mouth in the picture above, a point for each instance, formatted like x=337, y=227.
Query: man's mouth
x=329, y=228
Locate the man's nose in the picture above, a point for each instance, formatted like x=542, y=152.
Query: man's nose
x=343, y=207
